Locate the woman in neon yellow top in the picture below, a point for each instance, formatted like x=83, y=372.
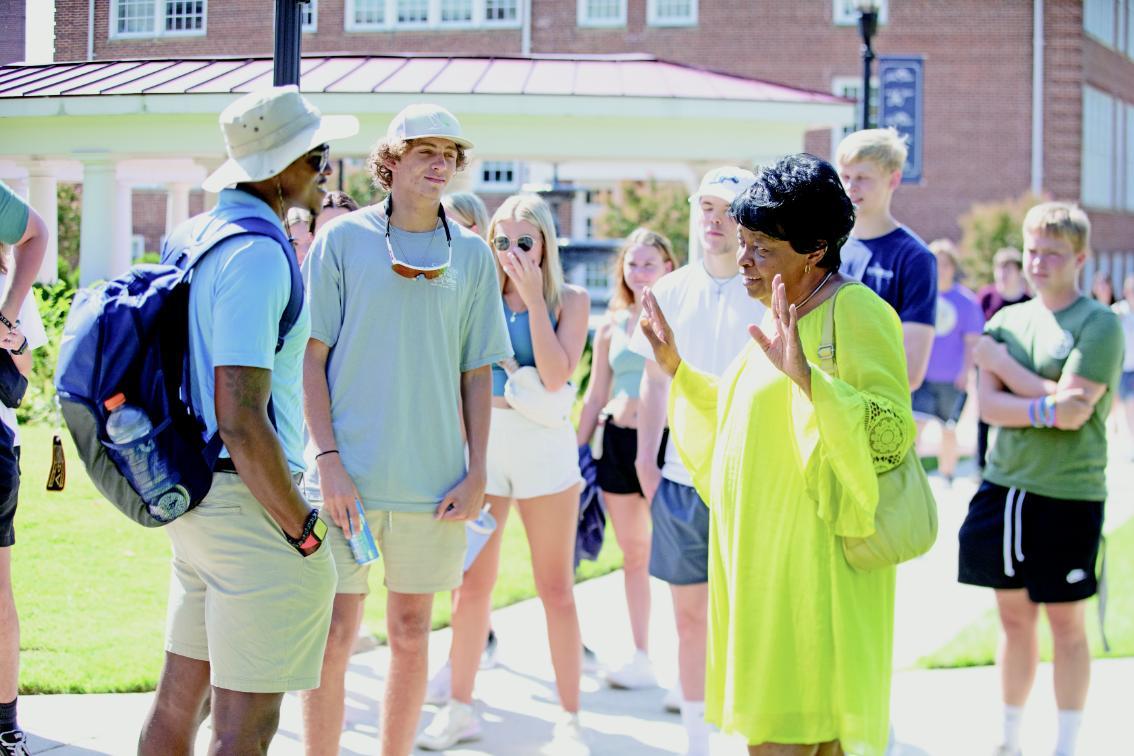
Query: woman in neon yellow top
x=787, y=457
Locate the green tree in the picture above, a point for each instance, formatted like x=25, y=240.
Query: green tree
x=360, y=186
x=663, y=208
x=69, y=217
x=986, y=227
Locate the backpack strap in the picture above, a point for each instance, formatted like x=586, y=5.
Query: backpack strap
x=190, y=243
x=194, y=239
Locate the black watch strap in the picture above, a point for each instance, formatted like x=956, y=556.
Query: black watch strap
x=23, y=347
x=314, y=531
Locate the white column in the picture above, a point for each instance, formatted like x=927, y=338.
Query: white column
x=123, y=233
x=96, y=234
x=176, y=206
x=43, y=196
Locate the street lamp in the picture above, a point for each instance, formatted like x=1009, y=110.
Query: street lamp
x=287, y=42
x=867, y=26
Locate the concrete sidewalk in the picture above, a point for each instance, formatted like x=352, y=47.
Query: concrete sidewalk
x=934, y=712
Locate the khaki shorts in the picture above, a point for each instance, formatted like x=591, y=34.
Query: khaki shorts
x=243, y=599
x=420, y=554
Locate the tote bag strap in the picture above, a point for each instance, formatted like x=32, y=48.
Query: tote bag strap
x=827, y=336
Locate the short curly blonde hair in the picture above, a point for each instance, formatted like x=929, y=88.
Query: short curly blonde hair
x=394, y=150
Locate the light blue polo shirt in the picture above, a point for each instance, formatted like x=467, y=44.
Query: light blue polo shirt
x=398, y=348
x=236, y=298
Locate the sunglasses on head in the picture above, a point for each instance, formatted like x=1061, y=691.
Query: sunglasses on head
x=404, y=269
x=503, y=243
x=320, y=158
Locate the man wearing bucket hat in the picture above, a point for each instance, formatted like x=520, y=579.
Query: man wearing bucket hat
x=250, y=597
x=710, y=310
x=405, y=321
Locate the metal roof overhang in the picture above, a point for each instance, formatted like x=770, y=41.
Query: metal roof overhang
x=643, y=116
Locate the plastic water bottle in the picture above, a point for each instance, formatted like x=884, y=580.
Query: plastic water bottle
x=129, y=429
x=477, y=533
x=362, y=542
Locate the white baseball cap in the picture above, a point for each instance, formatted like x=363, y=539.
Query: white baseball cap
x=267, y=130
x=727, y=182
x=422, y=121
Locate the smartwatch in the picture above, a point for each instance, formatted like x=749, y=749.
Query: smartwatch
x=314, y=531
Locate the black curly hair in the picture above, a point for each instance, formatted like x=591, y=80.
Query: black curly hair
x=799, y=200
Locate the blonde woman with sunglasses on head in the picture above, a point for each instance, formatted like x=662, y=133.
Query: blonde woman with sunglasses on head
x=532, y=464
x=612, y=402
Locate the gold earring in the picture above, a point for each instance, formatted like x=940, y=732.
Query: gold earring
x=807, y=268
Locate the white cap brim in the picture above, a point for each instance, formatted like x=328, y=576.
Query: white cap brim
x=264, y=165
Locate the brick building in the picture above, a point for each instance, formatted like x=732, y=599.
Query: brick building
x=12, y=32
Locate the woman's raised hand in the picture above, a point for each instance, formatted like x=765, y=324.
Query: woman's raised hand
x=784, y=349
x=527, y=277
x=659, y=334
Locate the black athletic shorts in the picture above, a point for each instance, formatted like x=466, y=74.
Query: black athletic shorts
x=9, y=493
x=616, y=473
x=1015, y=539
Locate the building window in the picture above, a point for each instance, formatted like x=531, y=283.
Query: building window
x=671, y=12
x=456, y=11
x=602, y=13
x=391, y=15
x=846, y=12
x=1099, y=154
x=1098, y=20
x=497, y=11
x=157, y=18
x=412, y=12
x=366, y=14
x=597, y=276
x=309, y=16
x=1130, y=158
x=498, y=175
x=850, y=87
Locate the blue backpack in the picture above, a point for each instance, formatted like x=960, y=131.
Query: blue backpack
x=130, y=335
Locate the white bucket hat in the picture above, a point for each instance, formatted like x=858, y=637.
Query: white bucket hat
x=267, y=130
x=422, y=121
x=727, y=183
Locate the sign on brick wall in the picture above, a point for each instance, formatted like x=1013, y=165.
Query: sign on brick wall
x=901, y=106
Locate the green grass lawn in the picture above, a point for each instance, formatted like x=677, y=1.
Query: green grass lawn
x=976, y=644
x=91, y=585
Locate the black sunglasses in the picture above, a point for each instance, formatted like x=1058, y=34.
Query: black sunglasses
x=503, y=243
x=320, y=158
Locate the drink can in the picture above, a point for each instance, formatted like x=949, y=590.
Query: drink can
x=362, y=542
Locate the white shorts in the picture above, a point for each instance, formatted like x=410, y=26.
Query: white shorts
x=526, y=459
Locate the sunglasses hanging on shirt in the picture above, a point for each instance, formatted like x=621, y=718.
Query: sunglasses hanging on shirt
x=404, y=269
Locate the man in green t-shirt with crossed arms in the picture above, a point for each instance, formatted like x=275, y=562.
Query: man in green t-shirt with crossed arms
x=1048, y=372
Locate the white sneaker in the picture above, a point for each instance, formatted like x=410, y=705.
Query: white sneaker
x=633, y=675
x=672, y=700
x=568, y=739
x=455, y=723
x=439, y=689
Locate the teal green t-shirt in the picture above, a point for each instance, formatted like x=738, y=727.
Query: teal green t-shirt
x=1083, y=339
x=398, y=348
x=13, y=216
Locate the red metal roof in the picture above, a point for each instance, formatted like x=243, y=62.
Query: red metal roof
x=596, y=76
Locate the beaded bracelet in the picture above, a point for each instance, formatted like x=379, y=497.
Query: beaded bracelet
x=1032, y=413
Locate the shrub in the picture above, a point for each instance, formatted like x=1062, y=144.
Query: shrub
x=663, y=208
x=987, y=227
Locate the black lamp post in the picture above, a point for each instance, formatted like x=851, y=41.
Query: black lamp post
x=867, y=26
x=288, y=31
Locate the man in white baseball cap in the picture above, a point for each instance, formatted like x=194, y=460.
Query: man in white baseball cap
x=250, y=598
x=405, y=318
x=709, y=309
